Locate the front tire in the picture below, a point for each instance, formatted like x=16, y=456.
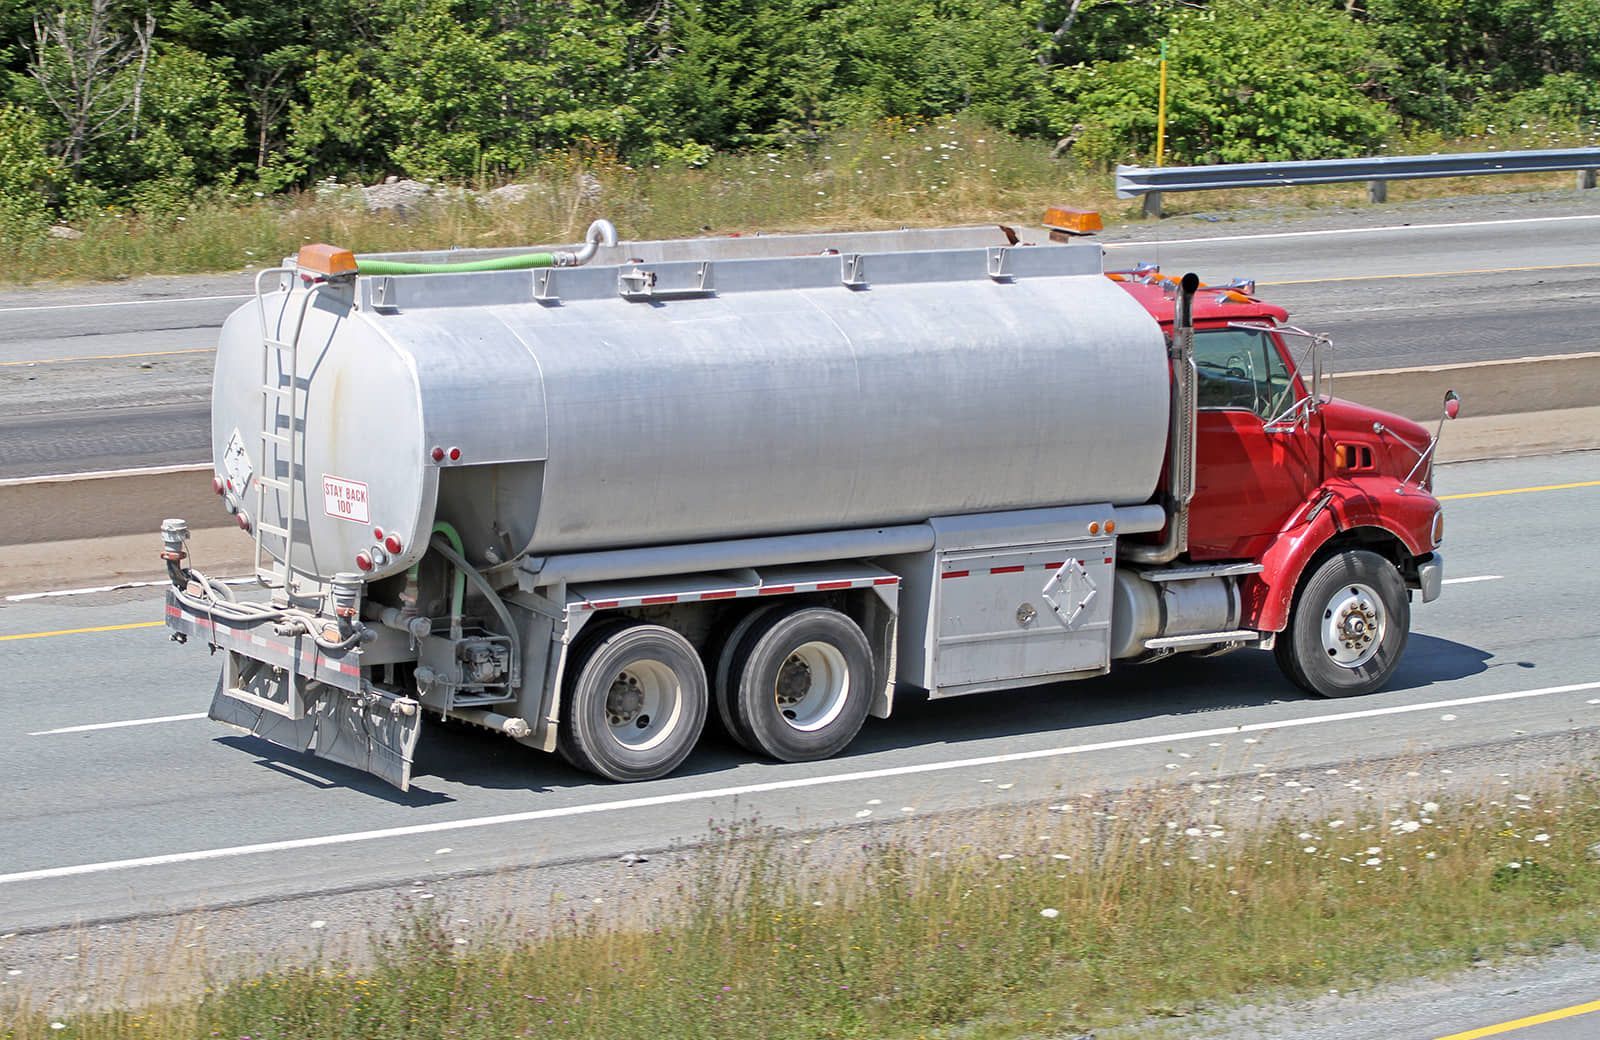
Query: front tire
x=1349, y=626
x=635, y=703
x=800, y=685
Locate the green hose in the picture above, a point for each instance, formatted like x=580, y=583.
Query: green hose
x=458, y=595
x=504, y=263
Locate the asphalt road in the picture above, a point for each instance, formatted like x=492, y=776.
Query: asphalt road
x=169, y=813
x=112, y=376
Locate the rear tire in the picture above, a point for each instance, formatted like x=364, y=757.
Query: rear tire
x=634, y=703
x=723, y=681
x=800, y=684
x=1349, y=626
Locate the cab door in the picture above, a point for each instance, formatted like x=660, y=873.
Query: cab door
x=1248, y=478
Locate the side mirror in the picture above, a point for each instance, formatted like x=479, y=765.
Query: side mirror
x=1452, y=404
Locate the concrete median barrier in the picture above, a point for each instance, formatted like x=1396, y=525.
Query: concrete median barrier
x=103, y=505
x=99, y=528
x=1509, y=387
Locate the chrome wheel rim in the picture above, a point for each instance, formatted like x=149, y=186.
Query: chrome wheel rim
x=1354, y=623
x=812, y=686
x=644, y=705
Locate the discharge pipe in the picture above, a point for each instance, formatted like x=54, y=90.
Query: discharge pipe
x=600, y=233
x=1180, y=435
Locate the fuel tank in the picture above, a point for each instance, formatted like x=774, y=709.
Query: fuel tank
x=625, y=404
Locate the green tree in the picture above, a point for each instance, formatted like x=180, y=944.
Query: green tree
x=745, y=73
x=29, y=175
x=1246, y=82
x=938, y=57
x=191, y=133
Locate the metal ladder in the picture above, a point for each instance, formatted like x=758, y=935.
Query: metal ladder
x=279, y=402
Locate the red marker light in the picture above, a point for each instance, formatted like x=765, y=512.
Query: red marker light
x=455, y=454
x=242, y=519
x=438, y=454
x=392, y=543
x=216, y=484
x=363, y=562
x=377, y=532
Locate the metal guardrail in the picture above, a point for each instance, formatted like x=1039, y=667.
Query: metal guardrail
x=1377, y=171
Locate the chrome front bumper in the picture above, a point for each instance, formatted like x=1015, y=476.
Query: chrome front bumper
x=1430, y=577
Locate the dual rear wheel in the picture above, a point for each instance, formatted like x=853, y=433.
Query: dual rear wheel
x=793, y=683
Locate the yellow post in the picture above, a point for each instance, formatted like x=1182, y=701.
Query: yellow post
x=1161, y=107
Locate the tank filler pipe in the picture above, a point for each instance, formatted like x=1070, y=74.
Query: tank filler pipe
x=1181, y=436
x=601, y=233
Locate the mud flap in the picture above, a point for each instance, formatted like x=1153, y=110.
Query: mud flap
x=376, y=737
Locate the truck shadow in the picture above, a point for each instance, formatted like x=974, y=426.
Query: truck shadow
x=1174, y=690
x=1177, y=690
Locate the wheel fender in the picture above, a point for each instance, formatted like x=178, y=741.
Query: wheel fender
x=1269, y=595
x=1376, y=502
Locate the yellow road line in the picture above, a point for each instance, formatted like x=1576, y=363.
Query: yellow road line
x=107, y=357
x=1523, y=1023
x=81, y=631
x=1432, y=274
x=1521, y=491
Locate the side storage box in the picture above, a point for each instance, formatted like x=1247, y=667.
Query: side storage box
x=1006, y=600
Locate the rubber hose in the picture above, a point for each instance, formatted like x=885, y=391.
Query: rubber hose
x=458, y=595
x=504, y=263
x=466, y=569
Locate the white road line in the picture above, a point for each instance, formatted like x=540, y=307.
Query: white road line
x=1344, y=231
x=121, y=303
x=652, y=801
x=119, y=725
x=1469, y=581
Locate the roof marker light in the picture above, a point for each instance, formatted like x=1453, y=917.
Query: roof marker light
x=326, y=260
x=455, y=454
x=437, y=453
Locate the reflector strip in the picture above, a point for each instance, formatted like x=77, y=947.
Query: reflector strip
x=218, y=628
x=1014, y=569
x=953, y=574
x=717, y=594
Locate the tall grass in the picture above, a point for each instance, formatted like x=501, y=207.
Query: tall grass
x=945, y=172
x=1051, y=921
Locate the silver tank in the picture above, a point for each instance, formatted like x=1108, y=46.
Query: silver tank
x=626, y=404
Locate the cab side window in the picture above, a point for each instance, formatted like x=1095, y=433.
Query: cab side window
x=1241, y=368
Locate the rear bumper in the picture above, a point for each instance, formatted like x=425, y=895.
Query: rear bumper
x=298, y=695
x=259, y=641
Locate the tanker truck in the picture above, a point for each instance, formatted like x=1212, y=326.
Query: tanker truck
x=590, y=498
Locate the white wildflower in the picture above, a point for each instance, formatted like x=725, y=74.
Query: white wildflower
x=1050, y=913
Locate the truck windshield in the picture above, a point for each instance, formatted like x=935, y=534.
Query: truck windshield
x=1241, y=368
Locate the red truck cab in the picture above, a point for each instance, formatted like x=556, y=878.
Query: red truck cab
x=1330, y=499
